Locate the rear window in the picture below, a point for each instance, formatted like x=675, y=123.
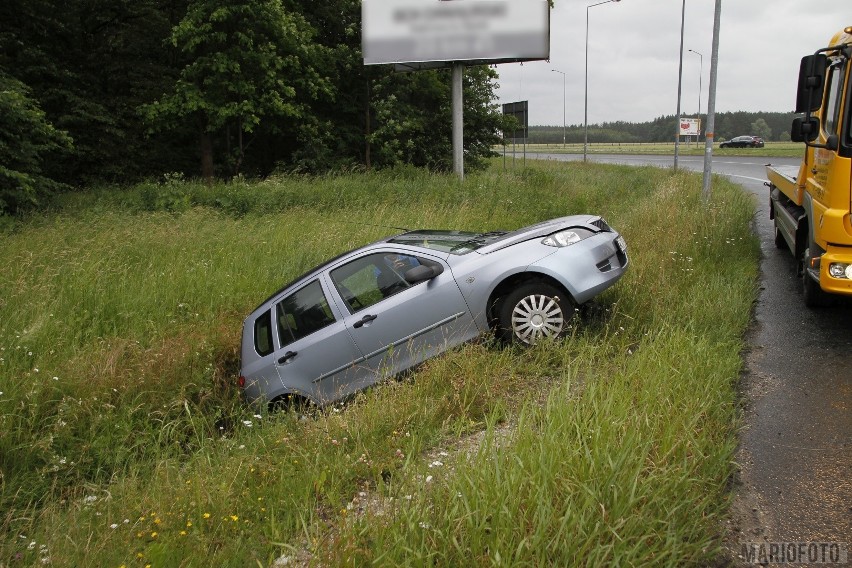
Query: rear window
x=302, y=313
x=263, y=334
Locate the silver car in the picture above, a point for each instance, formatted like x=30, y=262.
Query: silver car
x=379, y=310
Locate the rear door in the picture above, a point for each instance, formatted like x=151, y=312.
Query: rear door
x=395, y=324
x=315, y=353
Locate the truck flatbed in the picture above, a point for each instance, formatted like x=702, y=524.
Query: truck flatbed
x=784, y=178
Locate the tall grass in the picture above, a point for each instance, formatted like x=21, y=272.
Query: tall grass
x=123, y=439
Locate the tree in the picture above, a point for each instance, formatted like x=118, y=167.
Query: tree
x=761, y=129
x=413, y=122
x=26, y=140
x=249, y=67
x=89, y=64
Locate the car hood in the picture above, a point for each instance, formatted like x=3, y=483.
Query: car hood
x=543, y=229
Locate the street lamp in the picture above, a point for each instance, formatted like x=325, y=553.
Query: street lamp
x=586, y=110
x=700, y=73
x=563, y=104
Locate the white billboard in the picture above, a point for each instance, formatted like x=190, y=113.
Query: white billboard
x=690, y=127
x=429, y=31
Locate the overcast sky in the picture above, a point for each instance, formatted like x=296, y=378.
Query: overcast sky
x=634, y=50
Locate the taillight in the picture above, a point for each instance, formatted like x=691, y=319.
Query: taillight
x=241, y=381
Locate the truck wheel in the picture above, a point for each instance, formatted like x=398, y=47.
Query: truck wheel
x=534, y=311
x=779, y=239
x=814, y=296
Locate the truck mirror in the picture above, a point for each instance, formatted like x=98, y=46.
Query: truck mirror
x=811, y=80
x=804, y=130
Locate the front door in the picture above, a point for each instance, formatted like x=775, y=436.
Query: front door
x=395, y=324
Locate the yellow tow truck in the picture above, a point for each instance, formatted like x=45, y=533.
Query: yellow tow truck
x=811, y=204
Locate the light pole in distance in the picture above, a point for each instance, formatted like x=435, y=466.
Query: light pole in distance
x=700, y=73
x=586, y=109
x=563, y=104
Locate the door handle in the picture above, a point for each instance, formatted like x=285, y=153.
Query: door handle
x=287, y=356
x=364, y=320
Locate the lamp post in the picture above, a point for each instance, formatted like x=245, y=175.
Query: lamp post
x=700, y=73
x=586, y=106
x=679, y=83
x=563, y=104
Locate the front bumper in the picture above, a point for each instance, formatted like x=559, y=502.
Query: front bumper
x=588, y=267
x=829, y=283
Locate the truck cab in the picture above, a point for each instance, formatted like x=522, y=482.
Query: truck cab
x=811, y=204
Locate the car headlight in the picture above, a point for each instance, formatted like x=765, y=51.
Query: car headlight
x=566, y=237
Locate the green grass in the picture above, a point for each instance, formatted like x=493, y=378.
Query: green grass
x=123, y=440
x=771, y=149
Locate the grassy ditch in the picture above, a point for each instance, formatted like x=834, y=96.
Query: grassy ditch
x=123, y=440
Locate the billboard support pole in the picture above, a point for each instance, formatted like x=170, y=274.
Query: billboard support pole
x=458, y=121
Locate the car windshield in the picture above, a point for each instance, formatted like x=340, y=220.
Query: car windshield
x=454, y=242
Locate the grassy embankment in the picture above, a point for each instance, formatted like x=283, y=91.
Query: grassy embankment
x=770, y=150
x=123, y=440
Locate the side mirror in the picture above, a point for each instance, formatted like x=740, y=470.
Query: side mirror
x=804, y=130
x=812, y=72
x=422, y=273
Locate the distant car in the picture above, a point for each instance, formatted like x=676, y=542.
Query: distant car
x=379, y=310
x=743, y=142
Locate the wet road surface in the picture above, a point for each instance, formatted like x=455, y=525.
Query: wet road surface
x=794, y=482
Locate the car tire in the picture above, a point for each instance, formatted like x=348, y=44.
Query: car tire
x=289, y=403
x=533, y=311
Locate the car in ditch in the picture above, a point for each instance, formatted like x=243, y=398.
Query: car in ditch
x=381, y=309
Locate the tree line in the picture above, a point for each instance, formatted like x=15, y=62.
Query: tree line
x=771, y=126
x=114, y=91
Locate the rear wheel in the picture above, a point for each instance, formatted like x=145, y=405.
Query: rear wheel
x=289, y=402
x=779, y=238
x=532, y=312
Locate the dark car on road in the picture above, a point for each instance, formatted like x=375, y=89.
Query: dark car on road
x=743, y=142
x=379, y=310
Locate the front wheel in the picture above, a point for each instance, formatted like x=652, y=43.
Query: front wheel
x=534, y=311
x=814, y=295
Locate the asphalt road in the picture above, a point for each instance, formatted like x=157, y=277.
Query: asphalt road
x=794, y=482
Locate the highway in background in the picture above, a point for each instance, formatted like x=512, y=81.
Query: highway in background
x=794, y=482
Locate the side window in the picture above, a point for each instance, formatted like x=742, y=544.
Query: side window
x=263, y=334
x=370, y=279
x=302, y=313
x=832, y=100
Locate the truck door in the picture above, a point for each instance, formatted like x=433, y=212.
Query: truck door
x=819, y=184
